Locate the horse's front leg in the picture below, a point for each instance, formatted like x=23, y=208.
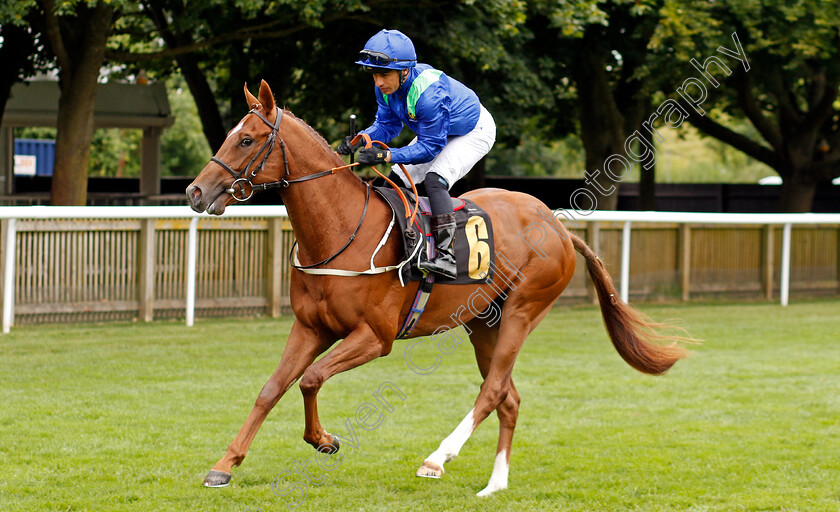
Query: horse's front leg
x=303, y=346
x=359, y=347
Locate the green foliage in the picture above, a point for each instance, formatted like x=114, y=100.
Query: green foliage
x=689, y=157
x=793, y=53
x=184, y=150
x=534, y=157
x=15, y=11
x=115, y=152
x=515, y=53
x=35, y=132
x=684, y=157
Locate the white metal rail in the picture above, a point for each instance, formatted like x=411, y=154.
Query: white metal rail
x=787, y=220
x=14, y=213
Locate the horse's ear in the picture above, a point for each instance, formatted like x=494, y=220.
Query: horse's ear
x=252, y=101
x=266, y=97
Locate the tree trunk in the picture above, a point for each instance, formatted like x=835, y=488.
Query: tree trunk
x=79, y=43
x=796, y=196
x=647, y=179
x=601, y=126
x=205, y=100
x=72, y=142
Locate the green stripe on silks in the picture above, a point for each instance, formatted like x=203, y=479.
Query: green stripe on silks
x=420, y=84
x=418, y=87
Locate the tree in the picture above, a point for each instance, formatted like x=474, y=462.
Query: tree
x=16, y=57
x=233, y=43
x=306, y=51
x=576, y=66
x=605, y=48
x=786, y=83
x=19, y=48
x=77, y=33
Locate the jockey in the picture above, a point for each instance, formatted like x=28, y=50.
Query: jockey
x=453, y=131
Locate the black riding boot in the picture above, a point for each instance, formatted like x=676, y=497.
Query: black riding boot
x=443, y=227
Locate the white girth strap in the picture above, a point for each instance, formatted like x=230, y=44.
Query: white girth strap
x=372, y=270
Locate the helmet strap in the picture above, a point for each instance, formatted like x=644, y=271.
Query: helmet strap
x=403, y=76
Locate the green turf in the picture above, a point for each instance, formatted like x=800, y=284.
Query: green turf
x=131, y=416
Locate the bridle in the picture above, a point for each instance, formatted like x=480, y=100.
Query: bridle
x=243, y=178
x=247, y=188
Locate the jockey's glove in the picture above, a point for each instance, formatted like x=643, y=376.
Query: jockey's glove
x=346, y=148
x=373, y=156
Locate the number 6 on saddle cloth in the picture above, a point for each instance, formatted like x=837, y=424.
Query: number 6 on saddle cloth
x=474, y=252
x=473, y=239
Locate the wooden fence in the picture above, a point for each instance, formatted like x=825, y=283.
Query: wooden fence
x=123, y=263
x=684, y=261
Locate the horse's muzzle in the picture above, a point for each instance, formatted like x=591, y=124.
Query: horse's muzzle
x=194, y=197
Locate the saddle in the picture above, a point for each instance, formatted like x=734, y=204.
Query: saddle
x=474, y=247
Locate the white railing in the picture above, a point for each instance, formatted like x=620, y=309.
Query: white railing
x=783, y=219
x=15, y=213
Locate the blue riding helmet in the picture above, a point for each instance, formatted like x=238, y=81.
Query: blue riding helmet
x=388, y=49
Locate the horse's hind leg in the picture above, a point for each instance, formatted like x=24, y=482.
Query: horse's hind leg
x=508, y=412
x=483, y=339
x=496, y=349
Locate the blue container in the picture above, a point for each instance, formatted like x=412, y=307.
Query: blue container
x=43, y=150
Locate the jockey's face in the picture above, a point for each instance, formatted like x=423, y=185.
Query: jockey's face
x=388, y=81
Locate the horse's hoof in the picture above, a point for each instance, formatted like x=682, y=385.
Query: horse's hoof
x=331, y=447
x=490, y=489
x=429, y=470
x=216, y=479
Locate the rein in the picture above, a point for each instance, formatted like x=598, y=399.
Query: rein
x=246, y=187
x=349, y=241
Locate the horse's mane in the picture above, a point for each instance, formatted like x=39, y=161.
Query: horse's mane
x=315, y=135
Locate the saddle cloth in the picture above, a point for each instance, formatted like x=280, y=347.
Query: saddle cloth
x=474, y=248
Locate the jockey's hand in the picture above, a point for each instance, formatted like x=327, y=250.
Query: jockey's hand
x=346, y=148
x=374, y=156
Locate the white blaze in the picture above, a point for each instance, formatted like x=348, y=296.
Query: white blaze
x=236, y=128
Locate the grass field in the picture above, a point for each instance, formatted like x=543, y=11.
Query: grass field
x=129, y=417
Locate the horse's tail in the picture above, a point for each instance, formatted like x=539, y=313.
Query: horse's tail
x=632, y=334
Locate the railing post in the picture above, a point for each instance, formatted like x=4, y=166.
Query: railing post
x=274, y=260
x=9, y=236
x=146, y=277
x=685, y=260
x=625, y=262
x=192, y=249
x=150, y=162
x=785, y=277
x=767, y=261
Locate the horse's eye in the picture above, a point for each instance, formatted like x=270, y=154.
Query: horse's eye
x=246, y=142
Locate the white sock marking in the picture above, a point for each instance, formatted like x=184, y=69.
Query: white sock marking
x=450, y=446
x=499, y=478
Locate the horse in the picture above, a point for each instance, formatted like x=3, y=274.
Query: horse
x=325, y=200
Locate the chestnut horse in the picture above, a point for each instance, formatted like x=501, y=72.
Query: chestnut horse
x=325, y=201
